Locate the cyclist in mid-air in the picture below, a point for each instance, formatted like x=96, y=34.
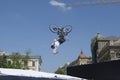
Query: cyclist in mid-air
x=61, y=32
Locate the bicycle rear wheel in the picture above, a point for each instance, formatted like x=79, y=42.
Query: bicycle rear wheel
x=53, y=28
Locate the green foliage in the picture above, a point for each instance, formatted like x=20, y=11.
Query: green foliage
x=16, y=61
x=3, y=61
x=25, y=59
x=61, y=71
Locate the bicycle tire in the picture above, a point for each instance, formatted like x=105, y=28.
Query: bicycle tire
x=53, y=28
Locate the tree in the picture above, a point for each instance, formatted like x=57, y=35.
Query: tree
x=25, y=60
x=16, y=61
x=3, y=61
x=61, y=71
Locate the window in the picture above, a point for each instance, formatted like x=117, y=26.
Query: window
x=33, y=63
x=118, y=54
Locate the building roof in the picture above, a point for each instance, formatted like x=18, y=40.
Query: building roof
x=35, y=57
x=117, y=42
x=82, y=55
x=112, y=38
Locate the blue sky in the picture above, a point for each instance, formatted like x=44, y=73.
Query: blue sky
x=24, y=25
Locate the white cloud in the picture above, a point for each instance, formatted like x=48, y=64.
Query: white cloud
x=59, y=4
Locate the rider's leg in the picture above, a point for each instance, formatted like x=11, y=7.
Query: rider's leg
x=55, y=45
x=61, y=40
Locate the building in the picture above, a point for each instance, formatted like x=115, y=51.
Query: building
x=94, y=47
x=81, y=60
x=33, y=62
x=110, y=50
x=105, y=48
x=105, y=55
x=2, y=53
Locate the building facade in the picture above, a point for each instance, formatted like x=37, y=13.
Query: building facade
x=2, y=53
x=94, y=47
x=33, y=62
x=105, y=48
x=81, y=60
